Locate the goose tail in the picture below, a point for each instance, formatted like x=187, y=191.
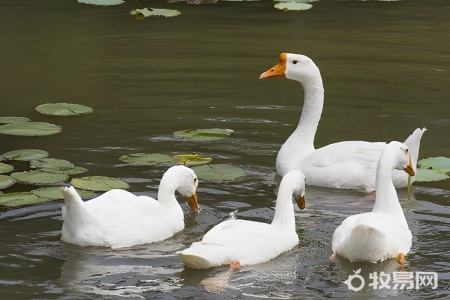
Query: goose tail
x=365, y=243
x=203, y=256
x=413, y=143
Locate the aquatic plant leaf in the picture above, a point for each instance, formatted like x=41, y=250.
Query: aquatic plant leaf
x=68, y=171
x=203, y=134
x=55, y=193
x=38, y=177
x=30, y=129
x=98, y=183
x=142, y=13
x=287, y=6
x=427, y=175
x=6, y=181
x=148, y=159
x=5, y=168
x=26, y=154
x=11, y=120
x=22, y=198
x=440, y=163
x=219, y=172
x=192, y=159
x=51, y=163
x=63, y=109
x=101, y=2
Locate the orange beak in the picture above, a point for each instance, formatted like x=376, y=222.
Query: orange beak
x=409, y=168
x=192, y=201
x=278, y=70
x=301, y=202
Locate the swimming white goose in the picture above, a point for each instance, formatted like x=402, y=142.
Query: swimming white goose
x=383, y=233
x=347, y=165
x=120, y=219
x=243, y=242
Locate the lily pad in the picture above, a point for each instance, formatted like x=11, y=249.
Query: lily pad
x=30, y=129
x=440, y=163
x=63, y=109
x=51, y=163
x=55, y=193
x=5, y=168
x=23, y=198
x=99, y=183
x=38, y=177
x=427, y=175
x=101, y=2
x=287, y=6
x=203, y=134
x=11, y=120
x=6, y=181
x=26, y=154
x=148, y=159
x=219, y=172
x=68, y=171
x=142, y=13
x=193, y=159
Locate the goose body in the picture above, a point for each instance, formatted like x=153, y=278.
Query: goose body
x=346, y=164
x=250, y=242
x=382, y=233
x=120, y=219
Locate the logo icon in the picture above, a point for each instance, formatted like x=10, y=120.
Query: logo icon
x=349, y=281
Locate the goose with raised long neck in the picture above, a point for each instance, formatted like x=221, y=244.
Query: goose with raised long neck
x=238, y=242
x=347, y=164
x=119, y=219
x=382, y=233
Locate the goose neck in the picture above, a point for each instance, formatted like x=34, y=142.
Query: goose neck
x=284, y=209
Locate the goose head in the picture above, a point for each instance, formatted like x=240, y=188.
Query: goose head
x=402, y=157
x=186, y=183
x=295, y=179
x=295, y=67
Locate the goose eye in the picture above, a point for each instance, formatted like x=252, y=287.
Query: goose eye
x=406, y=151
x=195, y=180
x=295, y=62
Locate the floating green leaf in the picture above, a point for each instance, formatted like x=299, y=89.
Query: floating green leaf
x=287, y=6
x=220, y=172
x=6, y=181
x=148, y=159
x=30, y=129
x=99, y=183
x=142, y=13
x=55, y=193
x=26, y=154
x=17, y=199
x=203, y=134
x=11, y=120
x=193, y=159
x=51, y=163
x=101, y=2
x=5, y=168
x=440, y=163
x=68, y=171
x=63, y=109
x=426, y=175
x=38, y=177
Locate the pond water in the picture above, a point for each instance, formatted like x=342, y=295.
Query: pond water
x=385, y=66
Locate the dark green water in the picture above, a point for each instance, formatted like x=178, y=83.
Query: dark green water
x=385, y=67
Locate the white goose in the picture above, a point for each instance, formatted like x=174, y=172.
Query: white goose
x=383, y=233
x=243, y=242
x=347, y=165
x=120, y=219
